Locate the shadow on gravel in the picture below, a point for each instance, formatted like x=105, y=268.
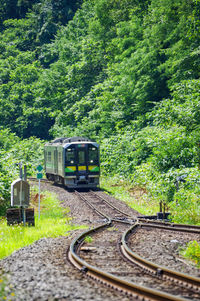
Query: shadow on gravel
x=85, y=189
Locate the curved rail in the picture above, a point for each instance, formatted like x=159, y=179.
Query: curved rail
x=115, y=281
x=111, y=280
x=155, y=268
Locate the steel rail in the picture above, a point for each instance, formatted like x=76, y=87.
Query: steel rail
x=155, y=268
x=111, y=205
x=108, y=278
x=91, y=205
x=172, y=225
x=102, y=213
x=117, y=282
x=170, y=228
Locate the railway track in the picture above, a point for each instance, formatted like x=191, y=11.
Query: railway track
x=105, y=208
x=120, y=276
x=169, y=226
x=125, y=277
x=156, y=269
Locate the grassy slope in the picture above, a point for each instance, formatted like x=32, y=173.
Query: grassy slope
x=136, y=198
x=54, y=221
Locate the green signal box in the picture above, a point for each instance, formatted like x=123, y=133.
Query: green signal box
x=39, y=168
x=39, y=175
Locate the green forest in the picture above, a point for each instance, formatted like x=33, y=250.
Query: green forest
x=122, y=72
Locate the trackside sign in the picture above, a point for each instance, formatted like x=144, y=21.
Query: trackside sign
x=20, y=193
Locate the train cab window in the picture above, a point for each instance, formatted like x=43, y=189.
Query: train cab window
x=70, y=156
x=81, y=156
x=92, y=154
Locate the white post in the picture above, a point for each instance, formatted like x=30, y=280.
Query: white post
x=39, y=202
x=21, y=193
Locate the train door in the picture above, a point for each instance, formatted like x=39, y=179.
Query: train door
x=55, y=161
x=81, y=158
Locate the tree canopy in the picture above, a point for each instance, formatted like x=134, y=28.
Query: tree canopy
x=124, y=72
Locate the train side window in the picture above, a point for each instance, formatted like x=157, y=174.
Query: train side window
x=93, y=154
x=70, y=156
x=49, y=157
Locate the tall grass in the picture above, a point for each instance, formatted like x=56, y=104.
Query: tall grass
x=186, y=212
x=135, y=198
x=54, y=221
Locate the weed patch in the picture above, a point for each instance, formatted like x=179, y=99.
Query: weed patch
x=192, y=252
x=134, y=197
x=88, y=239
x=54, y=221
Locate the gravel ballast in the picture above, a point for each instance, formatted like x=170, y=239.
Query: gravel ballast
x=42, y=271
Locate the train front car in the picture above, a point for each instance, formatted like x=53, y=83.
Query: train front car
x=81, y=163
x=77, y=162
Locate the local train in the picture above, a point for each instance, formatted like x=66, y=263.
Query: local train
x=73, y=162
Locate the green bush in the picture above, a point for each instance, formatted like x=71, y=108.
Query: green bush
x=12, y=151
x=154, y=159
x=192, y=252
x=185, y=207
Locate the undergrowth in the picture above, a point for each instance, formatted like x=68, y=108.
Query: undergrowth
x=134, y=197
x=54, y=221
x=184, y=210
x=192, y=252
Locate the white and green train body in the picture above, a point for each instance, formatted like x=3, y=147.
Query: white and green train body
x=74, y=162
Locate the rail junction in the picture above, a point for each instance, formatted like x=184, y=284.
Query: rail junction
x=109, y=259
x=121, y=268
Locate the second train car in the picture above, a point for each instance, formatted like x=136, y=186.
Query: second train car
x=73, y=162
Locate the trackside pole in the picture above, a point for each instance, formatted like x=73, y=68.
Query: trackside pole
x=39, y=176
x=23, y=211
x=39, y=202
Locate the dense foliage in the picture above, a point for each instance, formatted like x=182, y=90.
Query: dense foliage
x=125, y=72
x=13, y=150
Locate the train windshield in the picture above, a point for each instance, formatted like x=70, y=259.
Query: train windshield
x=92, y=154
x=70, y=155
